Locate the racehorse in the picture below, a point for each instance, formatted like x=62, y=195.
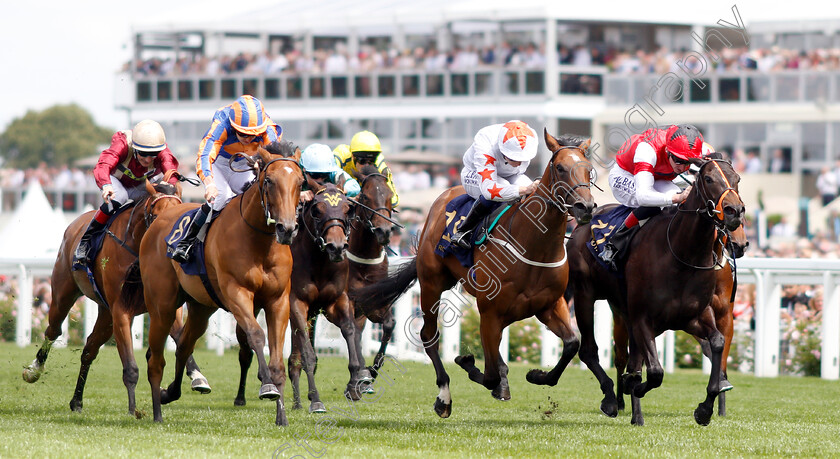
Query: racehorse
x=109, y=267
x=521, y=272
x=248, y=263
x=369, y=236
x=722, y=305
x=674, y=292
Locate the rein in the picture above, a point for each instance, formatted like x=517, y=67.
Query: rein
x=268, y=220
x=319, y=239
x=148, y=218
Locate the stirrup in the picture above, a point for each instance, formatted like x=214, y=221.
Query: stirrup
x=462, y=240
x=182, y=252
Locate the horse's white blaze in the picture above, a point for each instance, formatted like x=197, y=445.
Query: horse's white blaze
x=288, y=169
x=444, y=395
x=575, y=157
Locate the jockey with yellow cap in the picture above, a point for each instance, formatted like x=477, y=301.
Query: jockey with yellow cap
x=365, y=148
x=494, y=171
x=241, y=127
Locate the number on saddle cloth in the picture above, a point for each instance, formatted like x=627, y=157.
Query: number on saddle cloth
x=604, y=225
x=455, y=213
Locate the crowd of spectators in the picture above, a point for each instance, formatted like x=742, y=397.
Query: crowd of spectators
x=338, y=60
x=61, y=178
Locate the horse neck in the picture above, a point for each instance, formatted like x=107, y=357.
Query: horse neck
x=536, y=233
x=692, y=235
x=363, y=243
x=250, y=203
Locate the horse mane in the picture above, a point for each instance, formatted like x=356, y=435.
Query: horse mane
x=284, y=148
x=571, y=140
x=165, y=188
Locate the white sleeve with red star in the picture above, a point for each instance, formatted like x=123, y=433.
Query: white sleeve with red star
x=485, y=155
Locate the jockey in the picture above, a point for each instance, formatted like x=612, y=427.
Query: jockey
x=121, y=174
x=320, y=164
x=241, y=127
x=641, y=178
x=365, y=149
x=494, y=170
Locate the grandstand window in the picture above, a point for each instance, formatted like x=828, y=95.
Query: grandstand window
x=460, y=84
x=362, y=85
x=338, y=86
x=314, y=130
x=206, y=89
x=814, y=142
x=383, y=128
x=787, y=88
x=617, y=90
x=294, y=88
x=432, y=128
x=272, y=88
x=251, y=86
x=292, y=129
x=316, y=88
x=410, y=85
x=758, y=89
x=510, y=85
x=229, y=89
x=335, y=130
x=185, y=90
x=387, y=85
x=701, y=94
x=729, y=89
x=144, y=91
x=434, y=85
x=753, y=133
x=457, y=127
x=408, y=129
x=535, y=82
x=164, y=90
x=816, y=87
x=484, y=84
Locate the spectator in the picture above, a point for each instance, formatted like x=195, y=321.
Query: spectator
x=827, y=185
x=753, y=165
x=778, y=163
x=783, y=229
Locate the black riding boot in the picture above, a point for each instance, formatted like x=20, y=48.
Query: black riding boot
x=185, y=245
x=84, y=248
x=476, y=214
x=616, y=248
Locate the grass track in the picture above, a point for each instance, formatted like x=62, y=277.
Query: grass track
x=781, y=417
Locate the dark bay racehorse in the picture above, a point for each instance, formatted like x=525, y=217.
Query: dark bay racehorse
x=669, y=283
x=369, y=236
x=519, y=273
x=722, y=305
x=249, y=263
x=119, y=251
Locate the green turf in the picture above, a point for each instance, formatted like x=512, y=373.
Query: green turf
x=781, y=417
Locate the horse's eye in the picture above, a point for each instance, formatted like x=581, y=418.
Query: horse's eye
x=707, y=179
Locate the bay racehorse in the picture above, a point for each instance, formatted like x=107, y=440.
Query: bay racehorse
x=669, y=283
x=370, y=234
x=118, y=252
x=519, y=273
x=248, y=263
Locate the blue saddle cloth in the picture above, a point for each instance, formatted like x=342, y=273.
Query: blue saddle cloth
x=195, y=265
x=456, y=211
x=602, y=227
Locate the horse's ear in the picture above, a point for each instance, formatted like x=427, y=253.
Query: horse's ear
x=312, y=183
x=585, y=145
x=168, y=175
x=550, y=141
x=178, y=189
x=150, y=188
x=340, y=181
x=262, y=155
x=297, y=154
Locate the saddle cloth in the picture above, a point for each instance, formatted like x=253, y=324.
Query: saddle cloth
x=195, y=265
x=456, y=211
x=602, y=227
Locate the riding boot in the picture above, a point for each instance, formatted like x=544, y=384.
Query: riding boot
x=476, y=214
x=83, y=249
x=616, y=248
x=185, y=245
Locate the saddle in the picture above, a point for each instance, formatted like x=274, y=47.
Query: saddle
x=456, y=211
x=603, y=226
x=195, y=265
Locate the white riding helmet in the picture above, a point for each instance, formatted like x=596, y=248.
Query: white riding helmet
x=148, y=136
x=518, y=141
x=318, y=158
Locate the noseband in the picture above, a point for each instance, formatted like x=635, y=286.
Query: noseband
x=149, y=217
x=555, y=180
x=262, y=185
x=371, y=211
x=326, y=223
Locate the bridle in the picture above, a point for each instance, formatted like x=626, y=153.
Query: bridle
x=554, y=181
x=149, y=215
x=371, y=211
x=326, y=223
x=712, y=209
x=262, y=185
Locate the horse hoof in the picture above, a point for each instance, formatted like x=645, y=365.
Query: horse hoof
x=317, y=407
x=725, y=385
x=269, y=392
x=702, y=415
x=443, y=409
x=31, y=375
x=297, y=406
x=76, y=406
x=637, y=422
x=373, y=372
x=539, y=377
x=353, y=392
x=239, y=402
x=365, y=377
x=465, y=361
x=501, y=393
x=167, y=396
x=609, y=409
x=200, y=385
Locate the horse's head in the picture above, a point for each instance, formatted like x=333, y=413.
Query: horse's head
x=162, y=195
x=279, y=182
x=375, y=195
x=738, y=242
x=569, y=174
x=325, y=219
x=717, y=187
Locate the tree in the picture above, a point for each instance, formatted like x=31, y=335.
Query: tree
x=59, y=135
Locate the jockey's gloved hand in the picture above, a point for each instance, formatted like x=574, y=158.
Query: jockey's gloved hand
x=108, y=192
x=210, y=192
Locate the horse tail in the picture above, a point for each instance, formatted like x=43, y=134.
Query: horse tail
x=385, y=292
x=132, y=289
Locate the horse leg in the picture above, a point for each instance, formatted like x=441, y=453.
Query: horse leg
x=294, y=368
x=125, y=346
x=558, y=320
x=631, y=379
x=102, y=330
x=198, y=382
x=502, y=391
x=65, y=293
x=246, y=356
x=277, y=317
x=342, y=313
x=160, y=321
x=491, y=335
x=643, y=337
x=256, y=338
x=193, y=329
x=621, y=341
x=706, y=325
x=388, y=324
x=430, y=292
x=588, y=352
x=303, y=349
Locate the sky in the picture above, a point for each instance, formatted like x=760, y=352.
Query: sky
x=58, y=52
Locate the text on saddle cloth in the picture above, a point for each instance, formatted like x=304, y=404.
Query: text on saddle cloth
x=456, y=212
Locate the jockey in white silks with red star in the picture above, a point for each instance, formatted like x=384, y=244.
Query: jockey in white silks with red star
x=494, y=171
